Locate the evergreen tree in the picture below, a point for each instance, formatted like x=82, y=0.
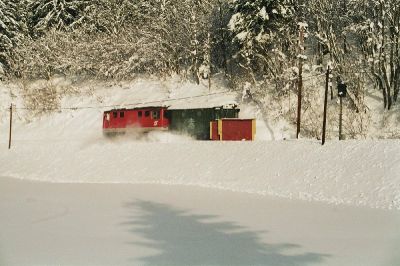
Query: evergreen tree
x=221, y=45
x=263, y=29
x=9, y=31
x=58, y=14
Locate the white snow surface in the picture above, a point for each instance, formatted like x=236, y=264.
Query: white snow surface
x=121, y=224
x=68, y=147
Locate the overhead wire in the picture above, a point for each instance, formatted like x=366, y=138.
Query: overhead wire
x=123, y=105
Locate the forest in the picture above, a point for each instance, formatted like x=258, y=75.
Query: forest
x=264, y=43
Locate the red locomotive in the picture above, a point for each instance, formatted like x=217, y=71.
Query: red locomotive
x=215, y=123
x=142, y=119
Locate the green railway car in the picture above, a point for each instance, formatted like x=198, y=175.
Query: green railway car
x=196, y=122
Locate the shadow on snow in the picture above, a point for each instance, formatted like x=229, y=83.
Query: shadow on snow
x=181, y=238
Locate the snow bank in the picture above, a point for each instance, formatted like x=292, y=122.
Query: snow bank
x=348, y=172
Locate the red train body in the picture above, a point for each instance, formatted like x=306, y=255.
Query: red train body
x=141, y=119
x=216, y=123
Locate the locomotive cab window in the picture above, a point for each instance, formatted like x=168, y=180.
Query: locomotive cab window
x=155, y=115
x=147, y=113
x=140, y=114
x=122, y=114
x=115, y=114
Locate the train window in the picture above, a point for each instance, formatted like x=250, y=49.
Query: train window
x=115, y=114
x=147, y=113
x=122, y=114
x=140, y=114
x=155, y=115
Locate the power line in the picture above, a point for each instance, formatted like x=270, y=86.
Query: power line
x=122, y=105
x=287, y=80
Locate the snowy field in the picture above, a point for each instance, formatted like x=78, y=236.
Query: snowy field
x=120, y=224
x=350, y=172
x=69, y=196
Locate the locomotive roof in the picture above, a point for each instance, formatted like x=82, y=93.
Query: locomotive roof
x=226, y=106
x=231, y=106
x=136, y=108
x=204, y=108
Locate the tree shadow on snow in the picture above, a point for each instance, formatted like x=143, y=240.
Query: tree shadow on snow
x=181, y=238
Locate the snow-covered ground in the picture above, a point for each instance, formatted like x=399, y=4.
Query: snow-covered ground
x=351, y=172
x=255, y=204
x=120, y=224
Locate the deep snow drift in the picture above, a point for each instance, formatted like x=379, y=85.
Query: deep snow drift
x=68, y=146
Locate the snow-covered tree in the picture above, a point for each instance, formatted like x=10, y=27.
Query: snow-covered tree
x=327, y=24
x=198, y=31
x=10, y=31
x=265, y=30
x=58, y=14
x=377, y=29
x=112, y=16
x=221, y=45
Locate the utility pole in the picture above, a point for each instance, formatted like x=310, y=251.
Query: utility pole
x=340, y=117
x=9, y=136
x=299, y=84
x=325, y=104
x=209, y=61
x=300, y=79
x=331, y=87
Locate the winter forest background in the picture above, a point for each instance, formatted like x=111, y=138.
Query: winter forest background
x=254, y=44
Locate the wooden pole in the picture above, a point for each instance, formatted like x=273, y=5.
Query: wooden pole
x=340, y=117
x=325, y=104
x=300, y=80
x=209, y=81
x=9, y=137
x=209, y=61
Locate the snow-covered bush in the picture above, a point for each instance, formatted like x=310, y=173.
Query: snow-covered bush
x=42, y=99
x=77, y=53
